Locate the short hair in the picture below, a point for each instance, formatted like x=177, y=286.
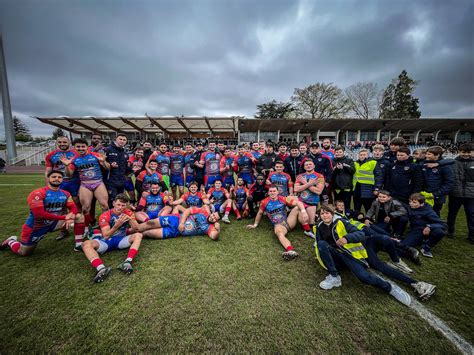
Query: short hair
x=163, y=143
x=307, y=160
x=55, y=172
x=378, y=147
x=97, y=134
x=340, y=147
x=153, y=161
x=303, y=143
x=278, y=162
x=193, y=183
x=271, y=186
x=79, y=141
x=405, y=150
x=339, y=201
x=420, y=150
x=436, y=150
x=327, y=208
x=155, y=183
x=121, y=135
x=466, y=147
x=417, y=197
x=384, y=192
x=139, y=148
x=294, y=146
x=282, y=144
x=364, y=151
x=270, y=145
x=122, y=198
x=398, y=141
x=147, y=141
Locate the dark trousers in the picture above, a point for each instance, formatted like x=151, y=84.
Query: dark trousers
x=373, y=245
x=333, y=259
x=415, y=237
x=454, y=205
x=437, y=206
x=345, y=196
x=113, y=191
x=396, y=225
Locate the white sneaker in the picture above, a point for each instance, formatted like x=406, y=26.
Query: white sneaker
x=225, y=219
x=400, y=266
x=424, y=290
x=330, y=282
x=289, y=254
x=400, y=295
x=4, y=244
x=309, y=234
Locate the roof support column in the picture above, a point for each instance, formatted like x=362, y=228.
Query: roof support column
x=456, y=136
x=398, y=133
x=347, y=138
x=378, y=135
x=358, y=136
x=258, y=136
x=298, y=136
x=317, y=135
x=436, y=135
x=278, y=136
x=336, y=141
x=417, y=136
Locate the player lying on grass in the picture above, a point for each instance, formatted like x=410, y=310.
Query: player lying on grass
x=152, y=204
x=339, y=244
x=275, y=208
x=114, y=227
x=192, y=221
x=47, y=206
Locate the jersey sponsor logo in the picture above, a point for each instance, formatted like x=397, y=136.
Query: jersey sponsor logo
x=188, y=226
x=407, y=168
x=304, y=194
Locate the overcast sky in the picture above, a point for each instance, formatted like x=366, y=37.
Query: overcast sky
x=113, y=57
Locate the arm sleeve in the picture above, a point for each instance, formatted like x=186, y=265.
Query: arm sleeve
x=447, y=182
x=417, y=181
x=353, y=234
x=35, y=201
x=378, y=176
x=371, y=212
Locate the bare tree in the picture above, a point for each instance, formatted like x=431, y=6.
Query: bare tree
x=362, y=100
x=320, y=101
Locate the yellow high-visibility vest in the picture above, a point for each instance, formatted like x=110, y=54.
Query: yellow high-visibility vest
x=364, y=173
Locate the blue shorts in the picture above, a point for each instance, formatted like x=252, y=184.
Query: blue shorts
x=129, y=185
x=228, y=182
x=71, y=186
x=114, y=243
x=210, y=179
x=152, y=214
x=247, y=177
x=190, y=179
x=240, y=206
x=169, y=225
x=176, y=180
x=31, y=236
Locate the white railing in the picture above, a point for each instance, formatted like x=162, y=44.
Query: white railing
x=33, y=154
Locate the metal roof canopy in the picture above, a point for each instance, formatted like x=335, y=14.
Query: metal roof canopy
x=313, y=125
x=145, y=124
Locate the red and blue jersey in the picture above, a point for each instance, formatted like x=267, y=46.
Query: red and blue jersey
x=109, y=218
x=256, y=154
x=240, y=193
x=219, y=196
x=153, y=203
x=148, y=179
x=136, y=164
x=328, y=153
x=225, y=166
x=88, y=167
x=189, y=160
x=53, y=160
x=163, y=160
x=308, y=196
x=197, y=223
x=48, y=206
x=244, y=163
x=276, y=209
x=282, y=181
x=211, y=163
x=195, y=200
x=177, y=164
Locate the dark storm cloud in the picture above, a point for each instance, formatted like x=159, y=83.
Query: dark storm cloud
x=225, y=57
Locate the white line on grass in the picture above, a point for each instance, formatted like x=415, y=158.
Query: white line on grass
x=458, y=341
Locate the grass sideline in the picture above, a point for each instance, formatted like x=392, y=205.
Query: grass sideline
x=196, y=295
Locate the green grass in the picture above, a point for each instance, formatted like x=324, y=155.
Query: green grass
x=196, y=295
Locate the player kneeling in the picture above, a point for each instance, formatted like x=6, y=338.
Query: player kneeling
x=114, y=225
x=47, y=206
x=193, y=221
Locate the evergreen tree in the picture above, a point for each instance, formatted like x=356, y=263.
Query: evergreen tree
x=275, y=110
x=58, y=132
x=22, y=132
x=398, y=100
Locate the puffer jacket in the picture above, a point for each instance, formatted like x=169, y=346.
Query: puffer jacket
x=439, y=181
x=463, y=171
x=117, y=176
x=393, y=208
x=342, y=178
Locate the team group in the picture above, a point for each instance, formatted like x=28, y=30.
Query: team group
x=394, y=187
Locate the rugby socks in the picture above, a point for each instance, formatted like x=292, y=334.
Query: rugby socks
x=306, y=227
x=227, y=210
x=87, y=220
x=97, y=264
x=14, y=245
x=131, y=254
x=237, y=213
x=290, y=247
x=79, y=229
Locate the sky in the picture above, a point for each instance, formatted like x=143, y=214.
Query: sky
x=222, y=58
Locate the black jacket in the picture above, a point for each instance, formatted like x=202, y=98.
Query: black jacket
x=393, y=208
x=342, y=178
x=463, y=171
x=404, y=179
x=439, y=181
x=267, y=161
x=322, y=165
x=116, y=176
x=293, y=166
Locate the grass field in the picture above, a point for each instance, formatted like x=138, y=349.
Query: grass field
x=234, y=295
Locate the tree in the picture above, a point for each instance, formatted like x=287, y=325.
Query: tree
x=58, y=132
x=362, y=100
x=320, y=101
x=398, y=101
x=275, y=110
x=22, y=132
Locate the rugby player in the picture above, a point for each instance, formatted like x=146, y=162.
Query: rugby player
x=281, y=179
x=226, y=168
x=244, y=165
x=114, y=225
x=163, y=159
x=220, y=200
x=176, y=172
x=240, y=195
x=210, y=161
x=152, y=204
x=275, y=208
x=47, y=206
x=192, y=198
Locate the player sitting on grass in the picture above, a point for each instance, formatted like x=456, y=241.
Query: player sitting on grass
x=240, y=195
x=114, y=225
x=275, y=208
x=192, y=198
x=193, y=221
x=339, y=244
x=220, y=200
x=152, y=204
x=47, y=206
